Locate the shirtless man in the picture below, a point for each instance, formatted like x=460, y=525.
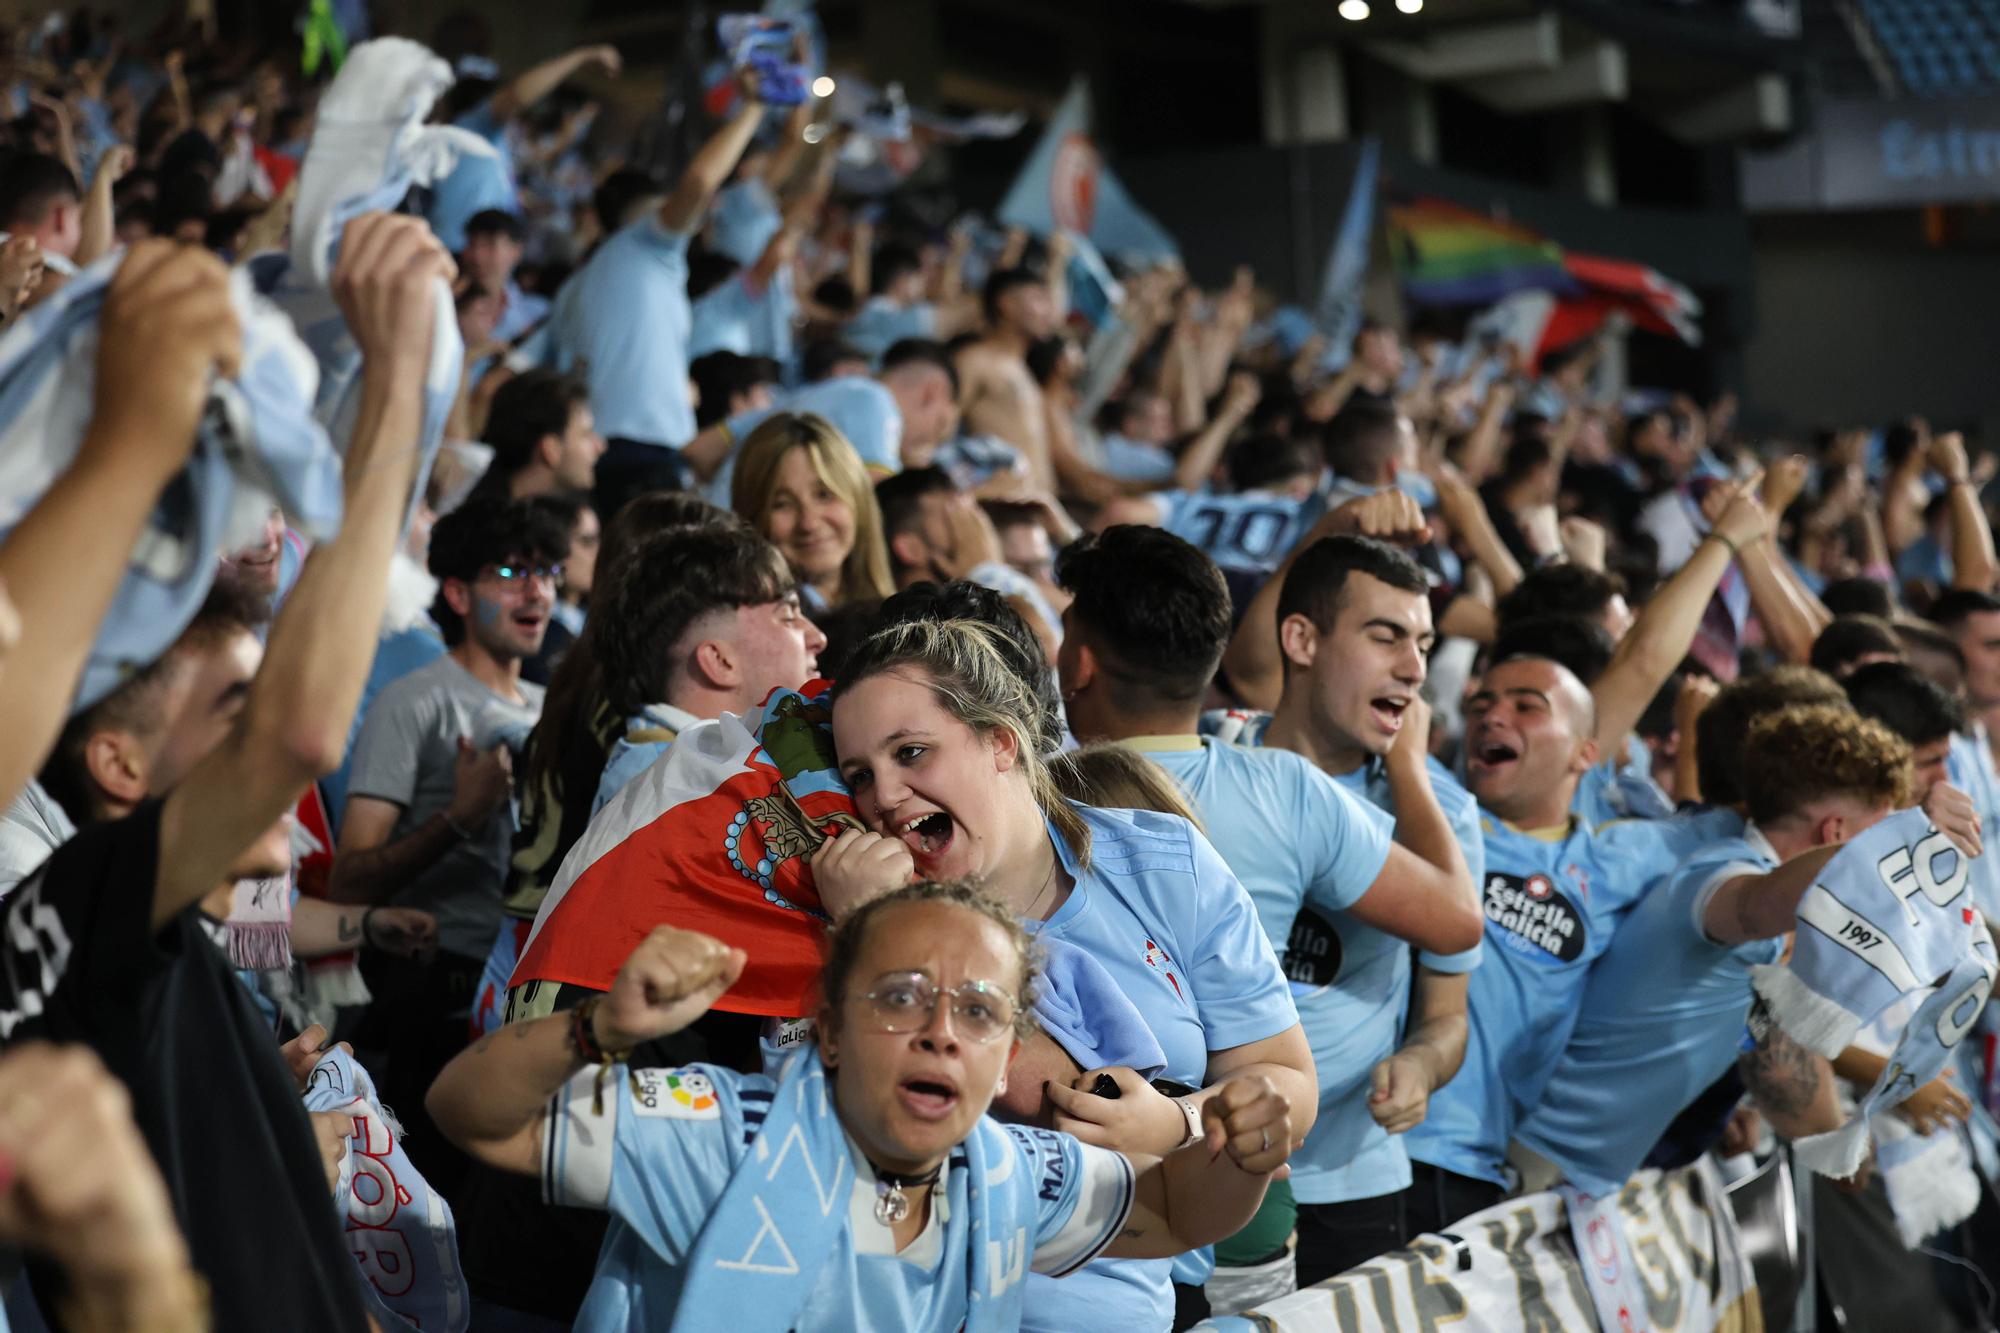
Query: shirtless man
x=998, y=395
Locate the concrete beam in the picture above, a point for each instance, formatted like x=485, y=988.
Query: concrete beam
x=1755, y=108
x=1595, y=74
x=1473, y=51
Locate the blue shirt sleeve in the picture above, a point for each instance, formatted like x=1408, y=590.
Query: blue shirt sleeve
x=1240, y=992
x=1344, y=840
x=658, y=1158
x=1082, y=1197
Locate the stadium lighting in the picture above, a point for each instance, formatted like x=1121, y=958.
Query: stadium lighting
x=823, y=85
x=1354, y=10
x=1410, y=6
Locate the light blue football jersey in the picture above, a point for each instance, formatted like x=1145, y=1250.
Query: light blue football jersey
x=1352, y=986
x=667, y=1154
x=624, y=318
x=1662, y=1019
x=1552, y=903
x=1251, y=531
x=1161, y=910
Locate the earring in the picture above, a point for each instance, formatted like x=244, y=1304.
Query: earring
x=1001, y=1086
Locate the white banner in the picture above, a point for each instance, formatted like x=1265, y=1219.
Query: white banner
x=1513, y=1268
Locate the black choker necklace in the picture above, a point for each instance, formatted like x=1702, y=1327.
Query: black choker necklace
x=891, y=1204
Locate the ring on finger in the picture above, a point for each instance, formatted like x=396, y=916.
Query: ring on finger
x=1265, y=1134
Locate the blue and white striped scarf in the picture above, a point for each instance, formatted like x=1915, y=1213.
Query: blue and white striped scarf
x=1890, y=915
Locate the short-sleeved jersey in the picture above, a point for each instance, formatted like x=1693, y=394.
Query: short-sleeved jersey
x=858, y=407
x=625, y=318
x=1160, y=909
x=476, y=183
x=1352, y=986
x=662, y=1153
x=1552, y=902
x=1661, y=1020
x=1249, y=531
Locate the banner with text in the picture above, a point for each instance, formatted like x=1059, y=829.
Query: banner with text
x=1516, y=1267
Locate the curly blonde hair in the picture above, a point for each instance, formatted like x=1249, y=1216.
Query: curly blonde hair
x=1809, y=752
x=864, y=574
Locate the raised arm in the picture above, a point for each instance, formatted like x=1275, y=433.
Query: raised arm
x=98, y=222
x=492, y=1099
x=711, y=164
x=1762, y=907
x=1482, y=443
x=1973, y=564
x=533, y=84
x=1450, y=919
x=1197, y=462
x=295, y=720
x=1790, y=622
x=166, y=329
x=1665, y=630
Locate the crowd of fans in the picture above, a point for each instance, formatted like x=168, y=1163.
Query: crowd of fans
x=1397, y=756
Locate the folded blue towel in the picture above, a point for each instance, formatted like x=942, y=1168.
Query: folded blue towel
x=1080, y=1006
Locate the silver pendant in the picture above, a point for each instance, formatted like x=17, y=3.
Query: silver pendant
x=891, y=1204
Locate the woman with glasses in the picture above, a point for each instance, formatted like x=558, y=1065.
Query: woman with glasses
x=864, y=1187
x=934, y=733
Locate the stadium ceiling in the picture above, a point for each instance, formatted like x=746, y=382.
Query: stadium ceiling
x=1704, y=75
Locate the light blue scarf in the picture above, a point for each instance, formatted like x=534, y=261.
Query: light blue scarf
x=257, y=445
x=1890, y=915
x=761, y=1253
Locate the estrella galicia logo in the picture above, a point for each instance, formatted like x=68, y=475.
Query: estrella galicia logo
x=1312, y=953
x=1534, y=917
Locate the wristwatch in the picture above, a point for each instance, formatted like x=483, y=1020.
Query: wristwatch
x=1193, y=1115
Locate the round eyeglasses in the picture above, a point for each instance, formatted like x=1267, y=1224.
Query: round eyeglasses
x=906, y=1001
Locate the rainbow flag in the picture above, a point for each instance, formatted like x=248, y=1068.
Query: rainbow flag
x=1447, y=254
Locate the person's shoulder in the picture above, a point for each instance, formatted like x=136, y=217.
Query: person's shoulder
x=423, y=683
x=1451, y=793
x=1138, y=840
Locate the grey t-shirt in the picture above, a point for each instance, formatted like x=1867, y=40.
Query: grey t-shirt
x=408, y=753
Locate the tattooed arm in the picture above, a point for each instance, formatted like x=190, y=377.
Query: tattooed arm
x=1792, y=1086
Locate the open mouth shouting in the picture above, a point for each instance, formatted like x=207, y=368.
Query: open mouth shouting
x=1490, y=755
x=927, y=835
x=1387, y=711
x=929, y=1097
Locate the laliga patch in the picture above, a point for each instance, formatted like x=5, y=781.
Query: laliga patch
x=1533, y=917
x=674, y=1094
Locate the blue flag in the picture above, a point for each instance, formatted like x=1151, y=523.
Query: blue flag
x=1338, y=312
x=1065, y=185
